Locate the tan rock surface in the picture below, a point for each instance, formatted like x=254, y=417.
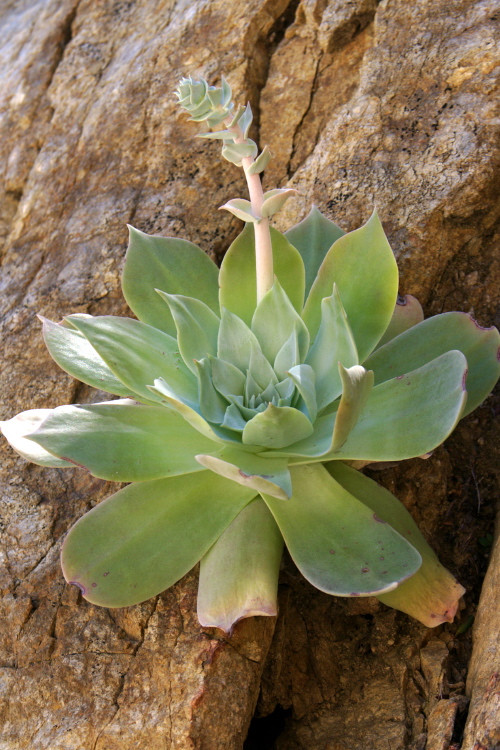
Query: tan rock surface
x=386, y=105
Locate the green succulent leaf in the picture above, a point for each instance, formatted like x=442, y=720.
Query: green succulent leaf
x=274, y=200
x=145, y=537
x=212, y=405
x=235, y=340
x=356, y=387
x=304, y=378
x=432, y=337
x=313, y=237
x=197, y=327
x=17, y=431
x=431, y=595
x=260, y=162
x=274, y=320
x=268, y=475
x=176, y=266
x=277, y=427
x=137, y=354
x=236, y=152
x=363, y=266
x=242, y=209
x=239, y=574
x=76, y=355
x=334, y=343
x=122, y=441
x=410, y=415
x=227, y=379
x=238, y=284
x=336, y=541
x=407, y=313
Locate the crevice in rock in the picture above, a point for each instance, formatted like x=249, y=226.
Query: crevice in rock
x=264, y=731
x=259, y=53
x=290, y=170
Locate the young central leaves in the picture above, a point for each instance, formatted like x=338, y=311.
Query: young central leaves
x=242, y=393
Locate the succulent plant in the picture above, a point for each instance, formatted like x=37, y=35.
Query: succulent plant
x=249, y=397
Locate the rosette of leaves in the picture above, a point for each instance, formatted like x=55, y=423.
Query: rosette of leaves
x=238, y=422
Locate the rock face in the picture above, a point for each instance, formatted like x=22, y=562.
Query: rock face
x=363, y=104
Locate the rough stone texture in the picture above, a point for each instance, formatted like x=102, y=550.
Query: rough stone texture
x=363, y=105
x=483, y=680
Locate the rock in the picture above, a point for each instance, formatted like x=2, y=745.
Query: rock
x=379, y=104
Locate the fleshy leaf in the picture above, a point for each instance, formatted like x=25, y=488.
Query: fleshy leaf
x=17, y=429
x=268, y=475
x=274, y=320
x=138, y=353
x=277, y=427
x=431, y=595
x=237, y=278
x=194, y=418
x=242, y=209
x=411, y=414
x=313, y=237
x=334, y=343
x=407, y=313
x=235, y=152
x=304, y=378
x=336, y=541
x=363, y=266
x=197, y=327
x=434, y=336
x=235, y=340
x=227, y=379
x=260, y=162
x=212, y=405
x=122, y=441
x=356, y=386
x=276, y=199
x=141, y=540
x=176, y=266
x=239, y=574
x=76, y=355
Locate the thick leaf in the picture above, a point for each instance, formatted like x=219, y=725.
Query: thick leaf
x=141, y=540
x=277, y=427
x=227, y=378
x=432, y=593
x=197, y=327
x=138, y=353
x=122, y=441
x=260, y=162
x=268, y=475
x=241, y=208
x=175, y=266
x=192, y=417
x=212, y=405
x=313, y=237
x=76, y=355
x=411, y=414
x=235, y=340
x=304, y=379
x=334, y=343
x=274, y=200
x=434, y=336
x=407, y=313
x=17, y=429
x=238, y=282
x=274, y=320
x=239, y=574
x=336, y=541
x=362, y=265
x=356, y=386
x=403, y=418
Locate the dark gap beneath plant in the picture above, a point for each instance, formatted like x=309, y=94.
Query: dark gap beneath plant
x=265, y=730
